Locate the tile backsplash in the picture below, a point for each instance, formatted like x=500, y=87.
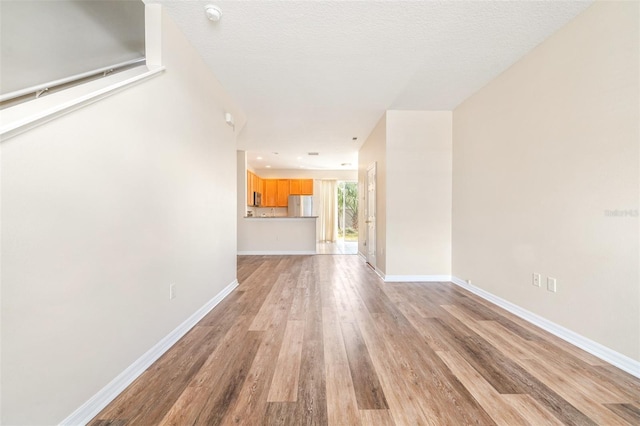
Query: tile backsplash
x=268, y=211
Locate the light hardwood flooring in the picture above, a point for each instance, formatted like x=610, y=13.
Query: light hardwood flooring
x=316, y=340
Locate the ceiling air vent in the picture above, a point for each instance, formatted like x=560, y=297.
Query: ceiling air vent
x=314, y=153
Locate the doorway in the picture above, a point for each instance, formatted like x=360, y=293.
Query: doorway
x=347, y=211
x=341, y=212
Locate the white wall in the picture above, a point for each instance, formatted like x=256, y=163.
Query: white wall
x=374, y=149
x=412, y=151
x=349, y=175
x=541, y=154
x=418, y=200
x=101, y=210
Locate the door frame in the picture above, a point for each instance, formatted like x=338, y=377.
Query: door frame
x=370, y=217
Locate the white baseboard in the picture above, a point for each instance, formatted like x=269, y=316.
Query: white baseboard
x=375, y=268
x=617, y=359
x=416, y=278
x=276, y=252
x=96, y=403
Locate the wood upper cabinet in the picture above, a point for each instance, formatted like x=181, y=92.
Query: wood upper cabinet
x=283, y=193
x=306, y=186
x=294, y=187
x=275, y=192
x=257, y=184
x=270, y=194
x=301, y=186
x=250, y=187
x=254, y=184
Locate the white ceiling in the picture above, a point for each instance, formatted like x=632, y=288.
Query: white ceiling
x=311, y=75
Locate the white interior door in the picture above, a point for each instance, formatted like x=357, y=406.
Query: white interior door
x=371, y=215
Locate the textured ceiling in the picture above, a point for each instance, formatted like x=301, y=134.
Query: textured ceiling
x=311, y=75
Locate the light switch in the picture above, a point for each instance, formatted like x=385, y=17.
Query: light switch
x=551, y=284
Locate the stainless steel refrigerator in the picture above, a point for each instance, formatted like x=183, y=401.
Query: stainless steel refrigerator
x=300, y=205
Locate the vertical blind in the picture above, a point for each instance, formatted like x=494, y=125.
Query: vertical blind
x=45, y=43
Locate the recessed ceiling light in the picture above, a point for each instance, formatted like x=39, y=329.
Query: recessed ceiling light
x=298, y=158
x=268, y=167
x=258, y=158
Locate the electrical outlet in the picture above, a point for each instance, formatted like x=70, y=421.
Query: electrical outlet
x=552, y=285
x=537, y=280
x=172, y=291
x=468, y=282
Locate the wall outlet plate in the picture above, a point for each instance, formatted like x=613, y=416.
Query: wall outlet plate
x=552, y=285
x=172, y=291
x=537, y=280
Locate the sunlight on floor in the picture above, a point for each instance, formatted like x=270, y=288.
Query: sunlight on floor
x=339, y=247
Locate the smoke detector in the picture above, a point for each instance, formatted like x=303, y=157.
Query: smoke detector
x=213, y=13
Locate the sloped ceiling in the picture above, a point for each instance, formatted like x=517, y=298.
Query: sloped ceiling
x=312, y=75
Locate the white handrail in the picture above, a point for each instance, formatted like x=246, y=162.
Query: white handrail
x=14, y=128
x=51, y=84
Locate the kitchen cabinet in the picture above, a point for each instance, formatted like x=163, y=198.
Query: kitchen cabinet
x=254, y=184
x=257, y=183
x=270, y=193
x=294, y=186
x=275, y=192
x=306, y=186
x=282, y=199
x=250, y=187
x=301, y=186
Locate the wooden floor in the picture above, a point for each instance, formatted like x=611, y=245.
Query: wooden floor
x=322, y=340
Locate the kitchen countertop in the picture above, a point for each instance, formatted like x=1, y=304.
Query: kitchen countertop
x=281, y=217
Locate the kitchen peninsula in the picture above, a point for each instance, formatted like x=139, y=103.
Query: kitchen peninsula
x=271, y=223
x=278, y=235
